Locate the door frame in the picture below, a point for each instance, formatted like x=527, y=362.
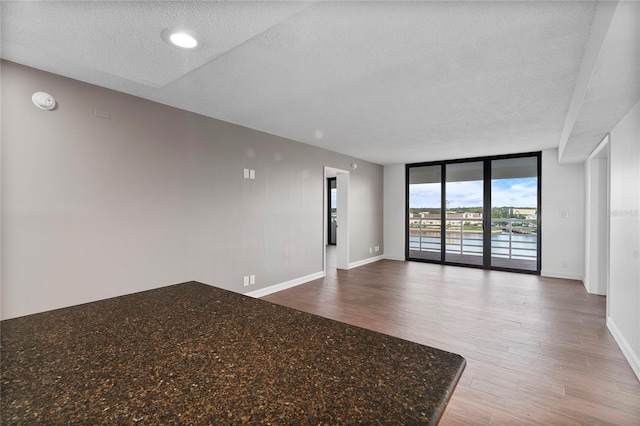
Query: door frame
x=329, y=181
x=597, y=178
x=342, y=233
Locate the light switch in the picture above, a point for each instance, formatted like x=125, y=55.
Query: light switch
x=252, y=174
x=102, y=113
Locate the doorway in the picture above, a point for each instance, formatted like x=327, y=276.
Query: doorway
x=341, y=220
x=332, y=213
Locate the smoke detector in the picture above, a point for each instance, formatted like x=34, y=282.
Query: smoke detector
x=43, y=100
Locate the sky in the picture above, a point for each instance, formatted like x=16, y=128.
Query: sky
x=520, y=192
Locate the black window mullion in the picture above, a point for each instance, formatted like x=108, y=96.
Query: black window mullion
x=486, y=216
x=443, y=212
x=539, y=212
x=407, y=237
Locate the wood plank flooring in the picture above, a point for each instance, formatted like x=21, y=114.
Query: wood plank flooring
x=538, y=350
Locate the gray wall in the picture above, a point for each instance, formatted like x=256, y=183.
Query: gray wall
x=95, y=208
x=394, y=211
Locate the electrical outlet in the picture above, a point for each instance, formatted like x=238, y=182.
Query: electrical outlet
x=564, y=264
x=377, y=249
x=252, y=279
x=370, y=250
x=246, y=173
x=246, y=281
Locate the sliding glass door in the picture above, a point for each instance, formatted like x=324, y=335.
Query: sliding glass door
x=479, y=212
x=514, y=213
x=425, y=213
x=464, y=201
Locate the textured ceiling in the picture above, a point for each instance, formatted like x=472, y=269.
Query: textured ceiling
x=389, y=82
x=614, y=84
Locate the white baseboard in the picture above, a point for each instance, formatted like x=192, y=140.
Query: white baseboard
x=285, y=285
x=587, y=286
x=365, y=261
x=401, y=259
x=562, y=275
x=628, y=353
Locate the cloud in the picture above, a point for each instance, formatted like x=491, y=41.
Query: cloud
x=424, y=195
x=464, y=194
x=521, y=192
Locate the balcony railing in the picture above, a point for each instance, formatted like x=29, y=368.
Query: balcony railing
x=510, y=238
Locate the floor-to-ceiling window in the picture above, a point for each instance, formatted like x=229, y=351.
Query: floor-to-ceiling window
x=480, y=212
x=464, y=201
x=425, y=213
x=514, y=213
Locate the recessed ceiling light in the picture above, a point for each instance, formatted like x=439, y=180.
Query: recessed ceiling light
x=180, y=38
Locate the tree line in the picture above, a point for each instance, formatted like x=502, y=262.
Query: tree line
x=496, y=212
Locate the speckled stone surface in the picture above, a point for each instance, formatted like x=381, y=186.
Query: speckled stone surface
x=194, y=354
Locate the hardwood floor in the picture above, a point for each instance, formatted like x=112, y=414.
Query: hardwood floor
x=538, y=350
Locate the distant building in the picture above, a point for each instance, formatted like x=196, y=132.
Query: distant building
x=419, y=218
x=433, y=219
x=464, y=215
x=523, y=212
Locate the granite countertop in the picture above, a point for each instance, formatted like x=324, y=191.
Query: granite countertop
x=194, y=354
